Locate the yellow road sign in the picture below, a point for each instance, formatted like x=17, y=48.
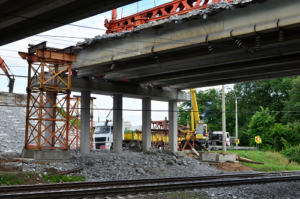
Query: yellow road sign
x=257, y=139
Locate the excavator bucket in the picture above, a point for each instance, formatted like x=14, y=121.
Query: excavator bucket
x=11, y=85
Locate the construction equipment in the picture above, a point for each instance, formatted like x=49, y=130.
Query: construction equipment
x=215, y=138
x=175, y=7
x=197, y=137
x=9, y=75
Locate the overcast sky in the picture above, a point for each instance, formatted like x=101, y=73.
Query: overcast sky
x=18, y=66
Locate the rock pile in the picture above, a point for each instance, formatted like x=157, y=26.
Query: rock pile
x=12, y=129
x=105, y=165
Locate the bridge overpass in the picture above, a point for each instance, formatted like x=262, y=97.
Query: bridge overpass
x=20, y=19
x=222, y=43
x=251, y=41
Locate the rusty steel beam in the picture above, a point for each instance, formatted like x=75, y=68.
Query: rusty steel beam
x=176, y=7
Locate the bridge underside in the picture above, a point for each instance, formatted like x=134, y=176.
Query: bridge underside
x=20, y=19
x=177, y=55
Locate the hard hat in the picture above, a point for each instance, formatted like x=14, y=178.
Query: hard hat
x=206, y=134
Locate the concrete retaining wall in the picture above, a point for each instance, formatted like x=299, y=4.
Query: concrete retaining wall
x=216, y=157
x=13, y=98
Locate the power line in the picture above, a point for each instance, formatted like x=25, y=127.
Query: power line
x=38, y=19
x=14, y=75
x=189, y=111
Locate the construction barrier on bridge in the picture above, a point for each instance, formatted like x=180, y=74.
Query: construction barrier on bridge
x=176, y=7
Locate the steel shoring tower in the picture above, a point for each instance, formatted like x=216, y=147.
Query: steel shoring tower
x=48, y=97
x=74, y=133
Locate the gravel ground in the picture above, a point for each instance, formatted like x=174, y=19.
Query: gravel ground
x=12, y=130
x=104, y=165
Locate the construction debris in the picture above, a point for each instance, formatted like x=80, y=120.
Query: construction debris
x=241, y=159
x=67, y=172
x=198, y=13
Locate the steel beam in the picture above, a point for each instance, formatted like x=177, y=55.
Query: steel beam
x=239, y=80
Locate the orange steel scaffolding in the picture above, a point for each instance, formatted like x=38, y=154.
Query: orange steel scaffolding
x=74, y=134
x=49, y=74
x=176, y=7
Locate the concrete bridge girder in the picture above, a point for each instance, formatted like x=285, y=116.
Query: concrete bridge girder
x=128, y=90
x=183, y=47
x=21, y=19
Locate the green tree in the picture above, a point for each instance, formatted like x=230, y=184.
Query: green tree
x=261, y=124
x=292, y=104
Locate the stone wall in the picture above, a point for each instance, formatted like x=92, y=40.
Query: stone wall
x=13, y=99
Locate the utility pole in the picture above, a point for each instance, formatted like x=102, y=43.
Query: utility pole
x=236, y=116
x=236, y=120
x=223, y=119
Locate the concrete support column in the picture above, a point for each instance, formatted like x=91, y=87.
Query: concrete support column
x=173, y=126
x=85, y=122
x=223, y=119
x=49, y=124
x=146, y=123
x=118, y=123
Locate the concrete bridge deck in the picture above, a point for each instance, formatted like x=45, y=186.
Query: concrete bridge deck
x=177, y=54
x=23, y=18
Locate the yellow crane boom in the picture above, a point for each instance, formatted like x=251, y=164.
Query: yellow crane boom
x=194, y=112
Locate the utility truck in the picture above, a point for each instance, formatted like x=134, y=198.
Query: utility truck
x=103, y=135
x=215, y=138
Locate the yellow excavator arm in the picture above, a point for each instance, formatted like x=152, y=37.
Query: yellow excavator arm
x=201, y=128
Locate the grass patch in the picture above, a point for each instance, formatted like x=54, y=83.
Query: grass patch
x=63, y=178
x=273, y=161
x=11, y=179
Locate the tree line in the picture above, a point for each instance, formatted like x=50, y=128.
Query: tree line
x=267, y=108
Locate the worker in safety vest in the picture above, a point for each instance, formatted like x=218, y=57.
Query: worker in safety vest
x=206, y=142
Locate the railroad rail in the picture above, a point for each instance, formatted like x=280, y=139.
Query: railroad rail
x=86, y=189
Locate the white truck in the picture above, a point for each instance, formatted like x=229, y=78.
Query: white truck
x=103, y=135
x=216, y=138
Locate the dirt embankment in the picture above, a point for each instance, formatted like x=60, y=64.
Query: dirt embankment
x=227, y=166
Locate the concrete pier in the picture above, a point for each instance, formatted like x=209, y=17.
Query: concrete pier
x=118, y=123
x=48, y=116
x=85, y=122
x=146, y=123
x=32, y=156
x=173, y=125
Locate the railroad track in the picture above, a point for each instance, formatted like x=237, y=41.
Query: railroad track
x=132, y=187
